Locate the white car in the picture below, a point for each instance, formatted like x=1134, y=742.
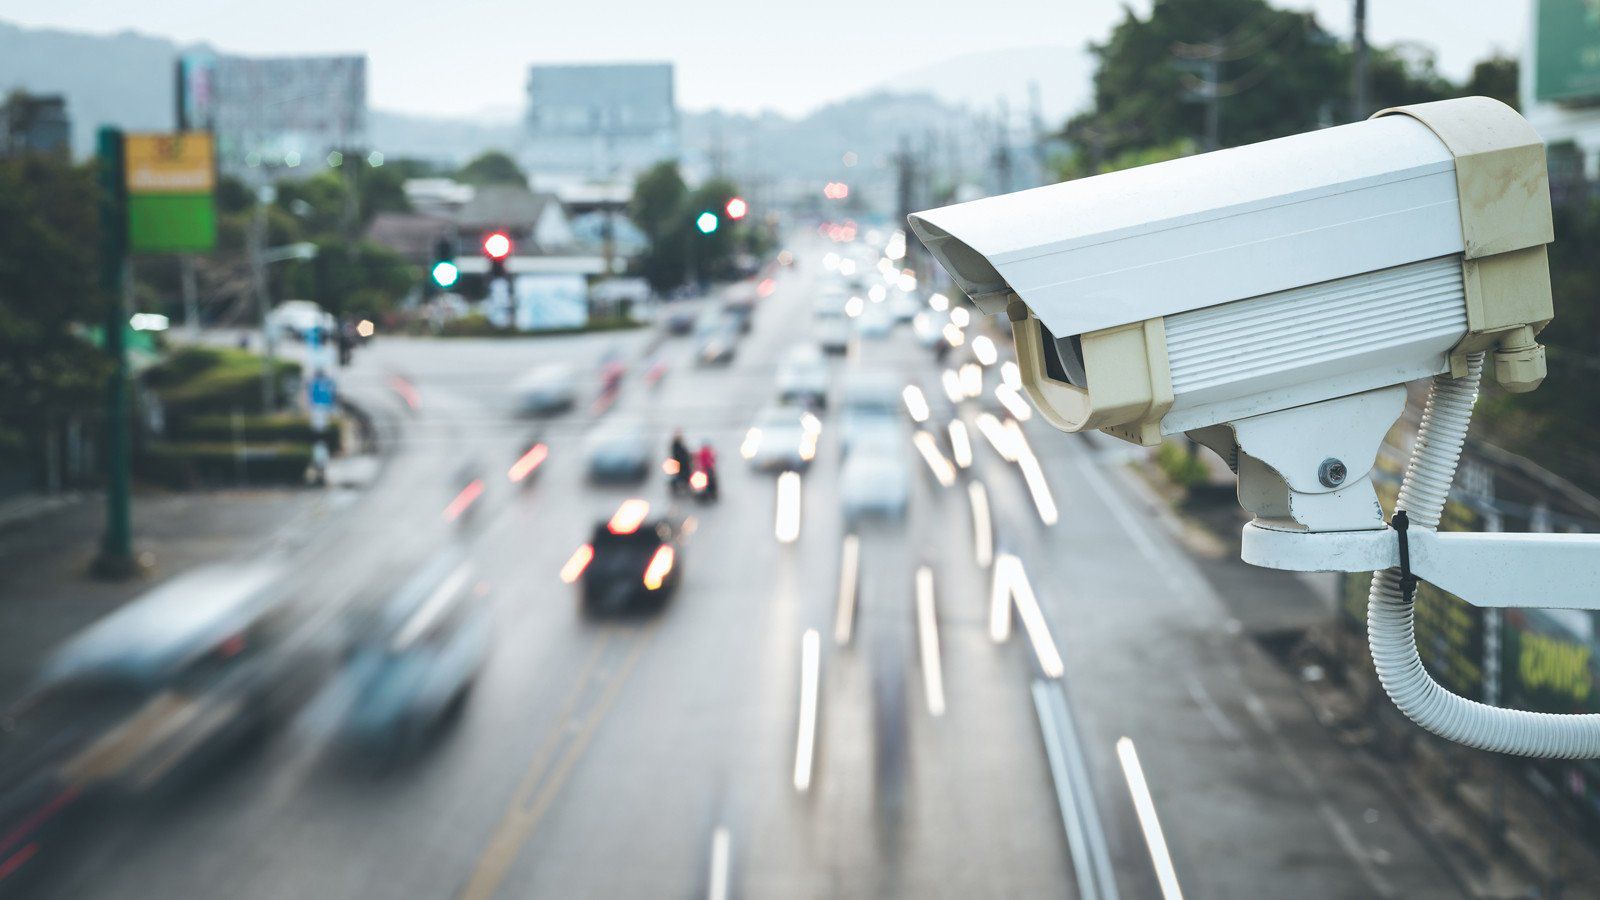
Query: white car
x=833, y=335
x=294, y=319
x=546, y=389
x=874, y=482
x=803, y=377
x=782, y=438
x=869, y=402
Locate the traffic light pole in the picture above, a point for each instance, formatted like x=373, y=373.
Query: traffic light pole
x=116, y=558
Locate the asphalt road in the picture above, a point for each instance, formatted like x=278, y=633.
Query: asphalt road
x=658, y=756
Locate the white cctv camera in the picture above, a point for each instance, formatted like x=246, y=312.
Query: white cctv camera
x=1203, y=294
x=1271, y=301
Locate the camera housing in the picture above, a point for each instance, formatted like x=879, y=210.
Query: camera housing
x=1205, y=290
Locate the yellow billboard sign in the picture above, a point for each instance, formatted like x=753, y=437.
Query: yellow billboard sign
x=169, y=163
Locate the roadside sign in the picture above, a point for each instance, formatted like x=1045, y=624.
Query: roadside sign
x=169, y=178
x=1566, y=51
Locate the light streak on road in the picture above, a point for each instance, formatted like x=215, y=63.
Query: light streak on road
x=854, y=307
x=954, y=336
x=464, y=500
x=1044, y=646
x=529, y=461
x=916, y=403
x=849, y=581
x=959, y=317
x=983, y=348
x=928, y=641
x=1000, y=604
x=951, y=382
x=717, y=881
x=1019, y=441
x=1149, y=823
x=1013, y=402
x=982, y=527
x=806, y=740
x=1011, y=375
x=752, y=443
x=1002, y=441
x=787, y=524
x=1038, y=488
x=941, y=467
x=1080, y=816
x=960, y=444
x=406, y=391
x=576, y=563
x=939, y=302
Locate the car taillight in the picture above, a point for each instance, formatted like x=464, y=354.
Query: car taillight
x=629, y=516
x=529, y=461
x=660, y=565
x=576, y=563
x=698, y=481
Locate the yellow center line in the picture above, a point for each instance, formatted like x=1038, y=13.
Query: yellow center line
x=536, y=793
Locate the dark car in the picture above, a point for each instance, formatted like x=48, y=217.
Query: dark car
x=740, y=312
x=619, y=454
x=630, y=564
x=681, y=319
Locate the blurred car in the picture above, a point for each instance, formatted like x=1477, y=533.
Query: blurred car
x=294, y=320
x=719, y=339
x=680, y=319
x=869, y=402
x=875, y=322
x=618, y=453
x=829, y=305
x=150, y=695
x=782, y=438
x=833, y=335
x=928, y=326
x=415, y=660
x=742, y=313
x=631, y=562
x=803, y=376
x=547, y=389
x=904, y=306
x=874, y=482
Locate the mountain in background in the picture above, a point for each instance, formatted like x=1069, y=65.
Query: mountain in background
x=978, y=80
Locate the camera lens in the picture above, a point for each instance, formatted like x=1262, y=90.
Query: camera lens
x=1063, y=358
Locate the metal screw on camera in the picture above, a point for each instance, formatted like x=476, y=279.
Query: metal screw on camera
x=1332, y=472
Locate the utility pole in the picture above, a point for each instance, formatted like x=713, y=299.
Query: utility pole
x=1213, y=100
x=1358, y=64
x=191, y=293
x=1002, y=149
x=258, y=282
x=905, y=193
x=1036, y=123
x=116, y=549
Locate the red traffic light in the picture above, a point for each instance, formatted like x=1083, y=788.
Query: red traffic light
x=737, y=208
x=497, y=245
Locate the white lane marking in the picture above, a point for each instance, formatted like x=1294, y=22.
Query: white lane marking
x=982, y=525
x=941, y=468
x=1213, y=713
x=1000, y=604
x=1086, y=840
x=849, y=581
x=928, y=641
x=1044, y=646
x=960, y=443
x=1039, y=488
x=787, y=520
x=806, y=741
x=718, y=882
x=1145, y=806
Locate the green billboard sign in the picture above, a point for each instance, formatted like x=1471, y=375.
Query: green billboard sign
x=1567, y=51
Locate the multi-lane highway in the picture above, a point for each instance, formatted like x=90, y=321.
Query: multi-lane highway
x=781, y=729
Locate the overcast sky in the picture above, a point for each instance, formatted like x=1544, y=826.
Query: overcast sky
x=451, y=57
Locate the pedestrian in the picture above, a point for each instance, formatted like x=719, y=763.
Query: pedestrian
x=682, y=463
x=706, y=461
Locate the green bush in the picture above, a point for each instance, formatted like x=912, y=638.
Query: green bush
x=200, y=380
x=1180, y=466
x=276, y=428
x=197, y=463
x=476, y=325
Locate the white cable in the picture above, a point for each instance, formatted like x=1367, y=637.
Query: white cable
x=1391, y=633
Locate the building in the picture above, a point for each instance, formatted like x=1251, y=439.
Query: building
x=34, y=123
x=1560, y=89
x=598, y=123
x=277, y=114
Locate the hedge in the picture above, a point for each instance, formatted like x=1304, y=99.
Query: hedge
x=277, y=428
x=200, y=380
x=187, y=464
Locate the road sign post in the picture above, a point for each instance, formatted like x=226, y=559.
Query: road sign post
x=116, y=559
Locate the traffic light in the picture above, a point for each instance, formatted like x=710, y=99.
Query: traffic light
x=737, y=207
x=444, y=271
x=497, y=246
x=706, y=222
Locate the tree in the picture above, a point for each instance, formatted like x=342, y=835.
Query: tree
x=1496, y=77
x=492, y=167
x=49, y=290
x=657, y=208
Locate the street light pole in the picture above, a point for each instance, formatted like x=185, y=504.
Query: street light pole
x=116, y=549
x=258, y=282
x=1358, y=64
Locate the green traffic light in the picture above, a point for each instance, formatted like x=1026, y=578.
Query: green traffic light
x=445, y=273
x=707, y=222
